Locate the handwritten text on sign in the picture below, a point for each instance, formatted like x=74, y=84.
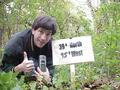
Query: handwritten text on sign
x=75, y=50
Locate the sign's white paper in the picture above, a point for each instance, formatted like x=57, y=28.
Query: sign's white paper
x=70, y=51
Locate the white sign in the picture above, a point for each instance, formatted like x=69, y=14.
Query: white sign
x=70, y=51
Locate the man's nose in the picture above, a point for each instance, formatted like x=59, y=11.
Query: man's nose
x=43, y=36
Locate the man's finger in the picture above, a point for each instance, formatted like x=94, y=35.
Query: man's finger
x=25, y=56
x=39, y=71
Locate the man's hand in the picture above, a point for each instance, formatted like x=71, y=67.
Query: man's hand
x=46, y=75
x=25, y=66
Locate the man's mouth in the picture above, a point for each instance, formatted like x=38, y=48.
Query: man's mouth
x=41, y=42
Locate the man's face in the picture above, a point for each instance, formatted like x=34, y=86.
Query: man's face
x=41, y=36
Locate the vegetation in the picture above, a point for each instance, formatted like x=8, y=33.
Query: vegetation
x=103, y=74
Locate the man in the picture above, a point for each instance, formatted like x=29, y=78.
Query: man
x=22, y=51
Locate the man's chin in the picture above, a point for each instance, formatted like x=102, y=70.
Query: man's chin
x=40, y=46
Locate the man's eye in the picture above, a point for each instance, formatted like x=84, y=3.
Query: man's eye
x=40, y=31
x=49, y=34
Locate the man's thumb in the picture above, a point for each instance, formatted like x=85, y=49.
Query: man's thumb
x=25, y=56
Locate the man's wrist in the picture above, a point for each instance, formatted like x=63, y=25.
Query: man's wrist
x=13, y=69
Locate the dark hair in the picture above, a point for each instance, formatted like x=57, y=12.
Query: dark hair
x=46, y=22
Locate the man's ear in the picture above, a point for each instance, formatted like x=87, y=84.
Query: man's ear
x=33, y=31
